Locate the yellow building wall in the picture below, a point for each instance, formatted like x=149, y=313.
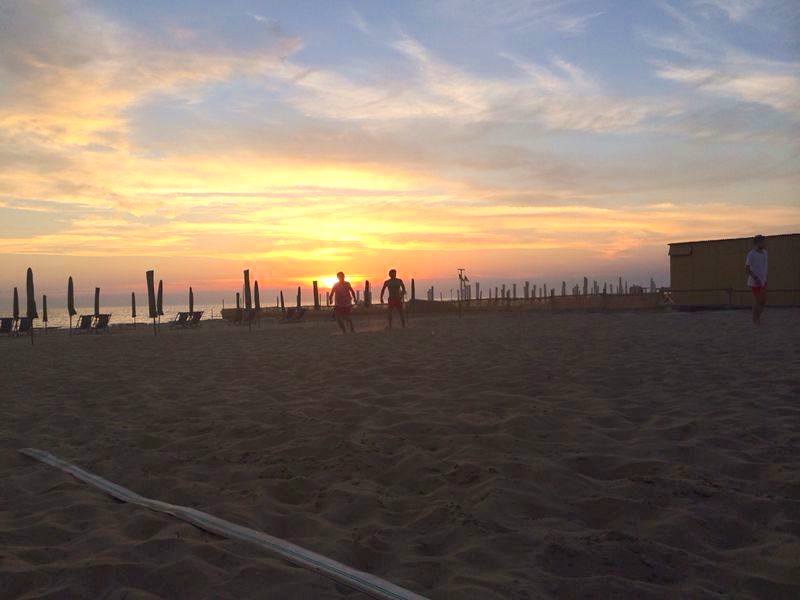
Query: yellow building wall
x=700, y=272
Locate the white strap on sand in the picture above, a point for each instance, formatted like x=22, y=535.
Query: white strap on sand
x=358, y=580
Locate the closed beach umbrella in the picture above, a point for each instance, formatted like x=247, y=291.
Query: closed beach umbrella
x=15, y=312
x=71, y=299
x=151, y=295
x=151, y=299
x=191, y=300
x=367, y=294
x=96, y=301
x=238, y=301
x=31, y=301
x=44, y=309
x=133, y=306
x=31, y=298
x=283, y=306
x=256, y=296
x=248, y=300
x=160, y=298
x=298, y=297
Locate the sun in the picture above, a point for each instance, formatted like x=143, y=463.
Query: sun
x=328, y=282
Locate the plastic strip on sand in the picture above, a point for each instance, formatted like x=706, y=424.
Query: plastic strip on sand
x=353, y=578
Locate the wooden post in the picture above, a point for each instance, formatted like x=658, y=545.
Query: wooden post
x=248, y=299
x=316, y=295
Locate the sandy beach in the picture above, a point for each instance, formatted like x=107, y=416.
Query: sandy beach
x=508, y=455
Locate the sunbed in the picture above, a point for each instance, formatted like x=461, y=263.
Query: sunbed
x=180, y=320
x=101, y=323
x=7, y=325
x=23, y=326
x=195, y=318
x=84, y=324
x=294, y=314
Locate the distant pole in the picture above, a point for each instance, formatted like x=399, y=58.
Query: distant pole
x=316, y=295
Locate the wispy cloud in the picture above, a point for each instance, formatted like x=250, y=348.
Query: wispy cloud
x=713, y=65
x=519, y=16
x=735, y=10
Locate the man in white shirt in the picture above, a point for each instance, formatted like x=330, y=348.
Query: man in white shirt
x=756, y=268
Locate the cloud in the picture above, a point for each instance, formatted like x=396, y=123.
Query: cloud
x=779, y=89
x=712, y=65
x=519, y=16
x=556, y=96
x=735, y=10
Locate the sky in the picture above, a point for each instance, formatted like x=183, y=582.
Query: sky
x=523, y=139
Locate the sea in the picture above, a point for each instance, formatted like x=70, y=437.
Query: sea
x=58, y=317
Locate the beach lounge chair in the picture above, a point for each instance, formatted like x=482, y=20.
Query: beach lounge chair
x=84, y=324
x=101, y=323
x=180, y=320
x=7, y=325
x=195, y=318
x=294, y=314
x=23, y=326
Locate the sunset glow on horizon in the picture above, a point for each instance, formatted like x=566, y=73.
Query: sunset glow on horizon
x=520, y=139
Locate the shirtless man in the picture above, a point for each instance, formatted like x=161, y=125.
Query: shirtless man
x=397, y=289
x=343, y=298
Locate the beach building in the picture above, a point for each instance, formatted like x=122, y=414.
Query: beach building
x=711, y=272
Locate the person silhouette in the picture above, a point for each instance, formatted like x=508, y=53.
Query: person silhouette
x=343, y=298
x=397, y=290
